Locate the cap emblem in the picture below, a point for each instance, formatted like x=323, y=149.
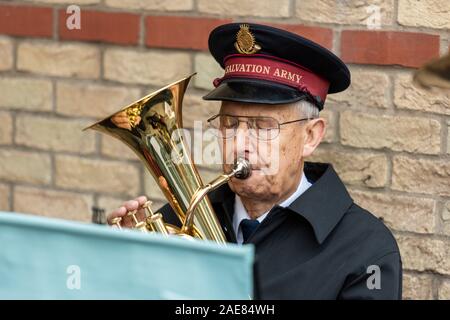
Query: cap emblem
x=245, y=41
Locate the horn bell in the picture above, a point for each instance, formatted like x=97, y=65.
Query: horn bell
x=152, y=128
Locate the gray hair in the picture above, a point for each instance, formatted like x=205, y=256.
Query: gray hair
x=307, y=109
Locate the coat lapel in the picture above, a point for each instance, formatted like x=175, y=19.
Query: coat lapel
x=222, y=201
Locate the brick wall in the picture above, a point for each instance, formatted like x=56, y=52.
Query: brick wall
x=389, y=141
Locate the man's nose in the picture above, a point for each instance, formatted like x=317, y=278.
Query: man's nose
x=242, y=127
x=242, y=132
x=243, y=138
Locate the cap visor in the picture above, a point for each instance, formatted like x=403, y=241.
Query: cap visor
x=255, y=91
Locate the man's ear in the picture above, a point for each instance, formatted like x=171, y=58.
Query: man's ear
x=314, y=133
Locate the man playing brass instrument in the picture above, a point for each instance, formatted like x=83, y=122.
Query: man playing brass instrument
x=311, y=240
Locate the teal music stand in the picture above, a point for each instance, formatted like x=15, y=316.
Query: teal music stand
x=43, y=258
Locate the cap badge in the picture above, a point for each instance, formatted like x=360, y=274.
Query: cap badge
x=245, y=41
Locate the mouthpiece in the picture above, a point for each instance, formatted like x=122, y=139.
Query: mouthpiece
x=242, y=168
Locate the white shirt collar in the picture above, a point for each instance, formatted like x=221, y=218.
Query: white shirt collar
x=240, y=213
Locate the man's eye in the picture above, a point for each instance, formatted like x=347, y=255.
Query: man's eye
x=265, y=124
x=228, y=123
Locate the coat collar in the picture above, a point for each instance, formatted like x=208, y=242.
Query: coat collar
x=325, y=202
x=322, y=205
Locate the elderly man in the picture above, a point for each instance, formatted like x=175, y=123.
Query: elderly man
x=311, y=240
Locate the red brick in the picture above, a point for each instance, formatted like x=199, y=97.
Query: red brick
x=112, y=27
x=26, y=21
x=407, y=49
x=180, y=32
x=322, y=36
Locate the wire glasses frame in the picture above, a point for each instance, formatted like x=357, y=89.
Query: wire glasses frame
x=262, y=128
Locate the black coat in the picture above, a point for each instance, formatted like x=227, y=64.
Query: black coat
x=322, y=246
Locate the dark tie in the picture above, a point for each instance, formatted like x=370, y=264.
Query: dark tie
x=248, y=227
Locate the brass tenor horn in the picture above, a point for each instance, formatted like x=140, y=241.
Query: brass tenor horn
x=151, y=127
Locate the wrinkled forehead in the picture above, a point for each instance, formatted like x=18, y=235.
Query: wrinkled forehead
x=280, y=111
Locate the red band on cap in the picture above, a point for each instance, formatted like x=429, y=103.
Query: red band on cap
x=264, y=67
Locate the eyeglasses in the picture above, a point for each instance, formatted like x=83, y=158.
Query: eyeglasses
x=263, y=128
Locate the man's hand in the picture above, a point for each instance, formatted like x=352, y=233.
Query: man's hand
x=130, y=205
